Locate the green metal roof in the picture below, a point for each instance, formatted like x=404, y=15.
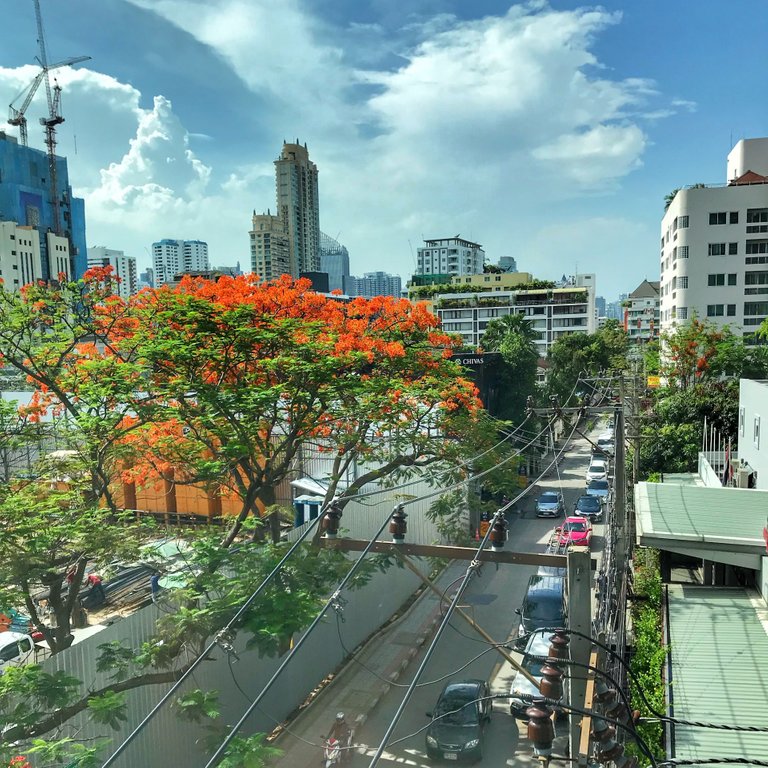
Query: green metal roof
x=719, y=650
x=689, y=513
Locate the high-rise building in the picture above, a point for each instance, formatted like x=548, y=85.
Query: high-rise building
x=600, y=306
x=714, y=247
x=25, y=198
x=178, y=257
x=123, y=268
x=375, y=284
x=270, y=252
x=298, y=206
x=450, y=256
x=334, y=260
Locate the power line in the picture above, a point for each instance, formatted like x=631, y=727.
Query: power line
x=219, y=753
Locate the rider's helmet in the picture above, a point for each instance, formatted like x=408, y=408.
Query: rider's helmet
x=339, y=717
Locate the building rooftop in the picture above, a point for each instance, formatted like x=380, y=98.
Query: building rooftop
x=648, y=289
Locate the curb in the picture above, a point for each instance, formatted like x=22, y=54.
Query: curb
x=398, y=667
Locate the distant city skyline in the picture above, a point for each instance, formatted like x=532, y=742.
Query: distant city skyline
x=551, y=131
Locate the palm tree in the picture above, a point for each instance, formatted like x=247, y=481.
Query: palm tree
x=513, y=324
x=669, y=197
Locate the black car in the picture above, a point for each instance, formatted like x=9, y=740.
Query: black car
x=588, y=506
x=461, y=712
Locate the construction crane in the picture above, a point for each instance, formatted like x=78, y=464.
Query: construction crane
x=17, y=115
x=54, y=118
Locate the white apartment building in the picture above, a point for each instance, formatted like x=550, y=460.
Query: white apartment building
x=123, y=267
x=59, y=261
x=450, y=256
x=19, y=255
x=553, y=312
x=270, y=252
x=375, y=284
x=178, y=257
x=642, y=312
x=714, y=247
x=752, y=446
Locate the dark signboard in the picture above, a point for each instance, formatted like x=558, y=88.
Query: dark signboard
x=483, y=370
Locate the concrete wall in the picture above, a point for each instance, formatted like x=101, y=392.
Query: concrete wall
x=168, y=741
x=753, y=441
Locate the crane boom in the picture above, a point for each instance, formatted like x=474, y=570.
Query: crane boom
x=17, y=115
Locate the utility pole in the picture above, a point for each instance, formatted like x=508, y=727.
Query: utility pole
x=579, y=619
x=620, y=490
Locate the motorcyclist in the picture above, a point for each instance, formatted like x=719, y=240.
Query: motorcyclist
x=341, y=731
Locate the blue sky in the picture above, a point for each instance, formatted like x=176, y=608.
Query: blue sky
x=546, y=131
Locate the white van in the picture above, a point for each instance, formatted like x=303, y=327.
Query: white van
x=16, y=649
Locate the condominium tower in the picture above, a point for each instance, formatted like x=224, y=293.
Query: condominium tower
x=123, y=268
x=714, y=247
x=298, y=206
x=450, y=256
x=178, y=257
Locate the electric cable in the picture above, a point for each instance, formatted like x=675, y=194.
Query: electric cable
x=124, y=744
x=333, y=599
x=409, y=692
x=352, y=655
x=666, y=718
x=241, y=611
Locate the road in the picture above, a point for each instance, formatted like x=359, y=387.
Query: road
x=491, y=599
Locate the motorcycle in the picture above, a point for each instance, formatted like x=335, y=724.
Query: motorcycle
x=335, y=753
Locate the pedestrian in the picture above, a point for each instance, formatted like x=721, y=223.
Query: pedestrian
x=154, y=585
x=97, y=588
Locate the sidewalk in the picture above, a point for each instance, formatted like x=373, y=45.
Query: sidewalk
x=357, y=689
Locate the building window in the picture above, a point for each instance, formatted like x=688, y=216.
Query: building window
x=756, y=307
x=717, y=218
x=734, y=217
x=732, y=278
x=741, y=422
x=756, y=432
x=757, y=216
x=731, y=310
x=682, y=313
x=715, y=280
x=715, y=310
x=681, y=222
x=682, y=282
x=756, y=260
x=733, y=249
x=757, y=246
x=716, y=249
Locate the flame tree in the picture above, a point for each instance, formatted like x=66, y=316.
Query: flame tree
x=243, y=375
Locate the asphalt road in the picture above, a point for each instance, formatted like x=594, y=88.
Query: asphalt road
x=491, y=599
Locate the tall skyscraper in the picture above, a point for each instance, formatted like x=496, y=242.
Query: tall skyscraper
x=123, y=267
x=178, y=257
x=269, y=247
x=508, y=263
x=334, y=260
x=25, y=198
x=298, y=206
x=147, y=278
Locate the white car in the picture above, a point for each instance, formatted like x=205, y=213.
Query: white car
x=598, y=470
x=16, y=649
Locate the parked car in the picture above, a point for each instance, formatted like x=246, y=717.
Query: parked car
x=461, y=713
x=575, y=531
x=599, y=488
x=597, y=470
x=537, y=645
x=550, y=504
x=543, y=605
x=605, y=443
x=588, y=506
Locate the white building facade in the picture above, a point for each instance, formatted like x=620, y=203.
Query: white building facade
x=123, y=267
x=553, y=312
x=20, y=260
x=714, y=247
x=178, y=257
x=642, y=312
x=753, y=432
x=450, y=256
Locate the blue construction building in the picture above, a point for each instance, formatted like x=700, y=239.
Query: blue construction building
x=25, y=197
